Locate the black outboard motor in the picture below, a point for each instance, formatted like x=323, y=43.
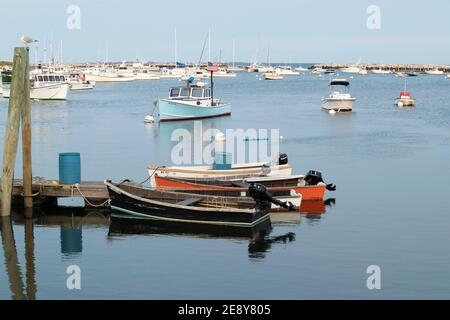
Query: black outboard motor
x=313, y=178
x=263, y=197
x=282, y=159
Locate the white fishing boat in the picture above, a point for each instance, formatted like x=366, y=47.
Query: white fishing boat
x=45, y=87
x=363, y=71
x=78, y=82
x=381, y=71
x=434, y=71
x=175, y=73
x=196, y=73
x=351, y=69
x=286, y=71
x=146, y=75
x=400, y=74
x=301, y=69
x=108, y=76
x=272, y=75
x=338, y=101
x=224, y=73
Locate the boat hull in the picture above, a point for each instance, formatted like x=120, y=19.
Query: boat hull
x=171, y=110
x=339, y=105
x=307, y=192
x=155, y=210
x=107, y=78
x=48, y=92
x=205, y=172
x=78, y=86
x=404, y=102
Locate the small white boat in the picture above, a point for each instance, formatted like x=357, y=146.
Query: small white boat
x=46, y=87
x=145, y=75
x=318, y=70
x=400, y=74
x=237, y=170
x=108, y=77
x=301, y=69
x=338, y=101
x=286, y=71
x=363, y=72
x=78, y=82
x=405, y=100
x=272, y=75
x=351, y=69
x=434, y=72
x=381, y=71
x=224, y=73
x=175, y=73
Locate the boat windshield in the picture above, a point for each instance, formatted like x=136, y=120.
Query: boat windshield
x=197, y=93
x=174, y=92
x=184, y=92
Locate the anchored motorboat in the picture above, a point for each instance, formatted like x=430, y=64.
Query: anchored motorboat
x=338, y=101
x=193, y=101
x=272, y=75
x=405, y=100
x=46, y=86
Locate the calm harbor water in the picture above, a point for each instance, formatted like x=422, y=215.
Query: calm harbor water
x=391, y=206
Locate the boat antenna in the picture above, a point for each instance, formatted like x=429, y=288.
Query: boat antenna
x=203, y=49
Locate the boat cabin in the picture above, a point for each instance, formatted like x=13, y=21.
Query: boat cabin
x=52, y=78
x=195, y=92
x=405, y=95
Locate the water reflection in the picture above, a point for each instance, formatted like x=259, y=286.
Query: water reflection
x=11, y=261
x=260, y=241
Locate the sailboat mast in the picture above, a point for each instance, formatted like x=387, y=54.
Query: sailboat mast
x=175, y=46
x=233, y=52
x=209, y=45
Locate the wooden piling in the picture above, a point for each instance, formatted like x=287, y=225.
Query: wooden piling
x=19, y=93
x=26, y=144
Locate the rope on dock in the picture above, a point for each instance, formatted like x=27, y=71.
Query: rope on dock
x=77, y=186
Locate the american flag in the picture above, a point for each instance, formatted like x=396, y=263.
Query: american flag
x=212, y=67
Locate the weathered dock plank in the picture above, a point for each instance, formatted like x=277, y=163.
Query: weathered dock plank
x=94, y=193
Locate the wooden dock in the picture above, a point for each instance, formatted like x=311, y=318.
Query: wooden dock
x=46, y=192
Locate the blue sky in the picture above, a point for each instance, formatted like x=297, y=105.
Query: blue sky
x=295, y=30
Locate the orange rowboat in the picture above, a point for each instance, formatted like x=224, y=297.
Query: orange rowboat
x=316, y=192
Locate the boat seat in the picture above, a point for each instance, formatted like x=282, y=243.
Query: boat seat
x=189, y=201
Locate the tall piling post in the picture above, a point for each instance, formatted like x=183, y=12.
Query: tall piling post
x=26, y=144
x=18, y=96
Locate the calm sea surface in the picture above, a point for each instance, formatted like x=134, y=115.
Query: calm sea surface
x=391, y=208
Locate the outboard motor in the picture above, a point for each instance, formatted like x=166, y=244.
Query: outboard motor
x=282, y=159
x=263, y=197
x=314, y=177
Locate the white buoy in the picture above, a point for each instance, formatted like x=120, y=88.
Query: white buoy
x=281, y=138
x=400, y=104
x=332, y=111
x=149, y=119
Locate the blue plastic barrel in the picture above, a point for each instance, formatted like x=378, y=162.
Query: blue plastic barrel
x=69, y=168
x=222, y=161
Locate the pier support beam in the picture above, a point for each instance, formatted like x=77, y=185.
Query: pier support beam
x=26, y=145
x=19, y=96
